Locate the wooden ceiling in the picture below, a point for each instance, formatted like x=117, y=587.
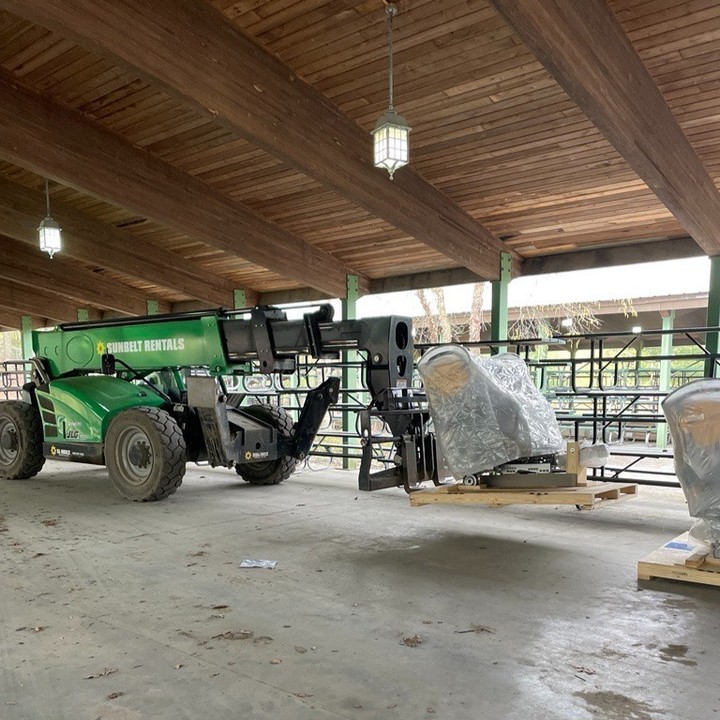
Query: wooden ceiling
x=245, y=161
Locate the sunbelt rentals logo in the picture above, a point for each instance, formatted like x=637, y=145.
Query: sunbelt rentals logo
x=138, y=346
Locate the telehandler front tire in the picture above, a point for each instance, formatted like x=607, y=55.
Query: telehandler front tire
x=269, y=472
x=145, y=454
x=21, y=440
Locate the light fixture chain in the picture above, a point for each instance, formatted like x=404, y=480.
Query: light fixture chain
x=47, y=198
x=390, y=13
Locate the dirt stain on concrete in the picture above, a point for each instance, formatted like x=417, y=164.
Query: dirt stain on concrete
x=676, y=653
x=614, y=706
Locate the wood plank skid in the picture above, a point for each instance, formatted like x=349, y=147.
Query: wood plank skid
x=586, y=497
x=681, y=559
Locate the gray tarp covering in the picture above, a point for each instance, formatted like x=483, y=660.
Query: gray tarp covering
x=693, y=415
x=486, y=412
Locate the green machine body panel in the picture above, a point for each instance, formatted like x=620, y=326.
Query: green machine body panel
x=79, y=409
x=144, y=344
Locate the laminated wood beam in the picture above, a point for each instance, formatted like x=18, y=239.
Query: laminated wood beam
x=97, y=243
x=631, y=254
x=61, y=276
x=584, y=47
x=200, y=57
x=62, y=144
x=27, y=301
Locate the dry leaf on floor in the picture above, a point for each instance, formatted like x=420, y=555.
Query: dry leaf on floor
x=234, y=635
x=411, y=641
x=275, y=661
x=50, y=522
x=584, y=670
x=179, y=665
x=477, y=629
x=38, y=628
x=219, y=607
x=114, y=695
x=300, y=649
x=106, y=671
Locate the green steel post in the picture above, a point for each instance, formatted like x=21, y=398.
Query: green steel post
x=239, y=299
x=26, y=345
x=152, y=307
x=666, y=348
x=712, y=341
x=82, y=314
x=350, y=375
x=499, y=310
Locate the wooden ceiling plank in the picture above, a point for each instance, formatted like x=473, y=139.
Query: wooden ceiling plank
x=59, y=143
x=26, y=301
x=194, y=53
x=585, y=49
x=100, y=244
x=61, y=276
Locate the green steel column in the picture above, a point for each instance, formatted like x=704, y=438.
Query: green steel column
x=666, y=347
x=350, y=376
x=26, y=327
x=152, y=307
x=499, y=310
x=82, y=314
x=239, y=299
x=712, y=340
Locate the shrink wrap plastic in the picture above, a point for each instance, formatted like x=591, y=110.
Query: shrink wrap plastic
x=486, y=412
x=693, y=416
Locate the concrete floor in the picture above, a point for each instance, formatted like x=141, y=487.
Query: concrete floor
x=92, y=585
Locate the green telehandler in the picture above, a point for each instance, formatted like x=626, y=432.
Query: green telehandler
x=145, y=395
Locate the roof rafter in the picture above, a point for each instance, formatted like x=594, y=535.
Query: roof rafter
x=584, y=47
x=98, y=243
x=61, y=276
x=200, y=57
x=62, y=144
x=26, y=301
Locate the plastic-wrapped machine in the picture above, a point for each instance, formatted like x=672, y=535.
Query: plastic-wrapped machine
x=693, y=416
x=486, y=412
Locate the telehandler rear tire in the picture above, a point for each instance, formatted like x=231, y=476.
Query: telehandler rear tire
x=269, y=472
x=145, y=454
x=21, y=440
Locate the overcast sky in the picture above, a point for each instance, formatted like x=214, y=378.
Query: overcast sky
x=671, y=277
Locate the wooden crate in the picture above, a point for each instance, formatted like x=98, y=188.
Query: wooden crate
x=681, y=559
x=585, y=497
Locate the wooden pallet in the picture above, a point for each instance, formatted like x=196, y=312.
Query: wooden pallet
x=585, y=497
x=681, y=559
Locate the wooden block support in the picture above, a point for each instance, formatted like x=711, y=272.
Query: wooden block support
x=573, y=463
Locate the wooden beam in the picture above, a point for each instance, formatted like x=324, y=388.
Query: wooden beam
x=97, y=243
x=202, y=58
x=584, y=47
x=421, y=280
x=635, y=253
x=26, y=301
x=62, y=144
x=61, y=276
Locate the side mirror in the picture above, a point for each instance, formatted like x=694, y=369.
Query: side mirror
x=108, y=364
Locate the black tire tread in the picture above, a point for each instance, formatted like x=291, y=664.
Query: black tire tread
x=29, y=418
x=281, y=419
x=174, y=454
